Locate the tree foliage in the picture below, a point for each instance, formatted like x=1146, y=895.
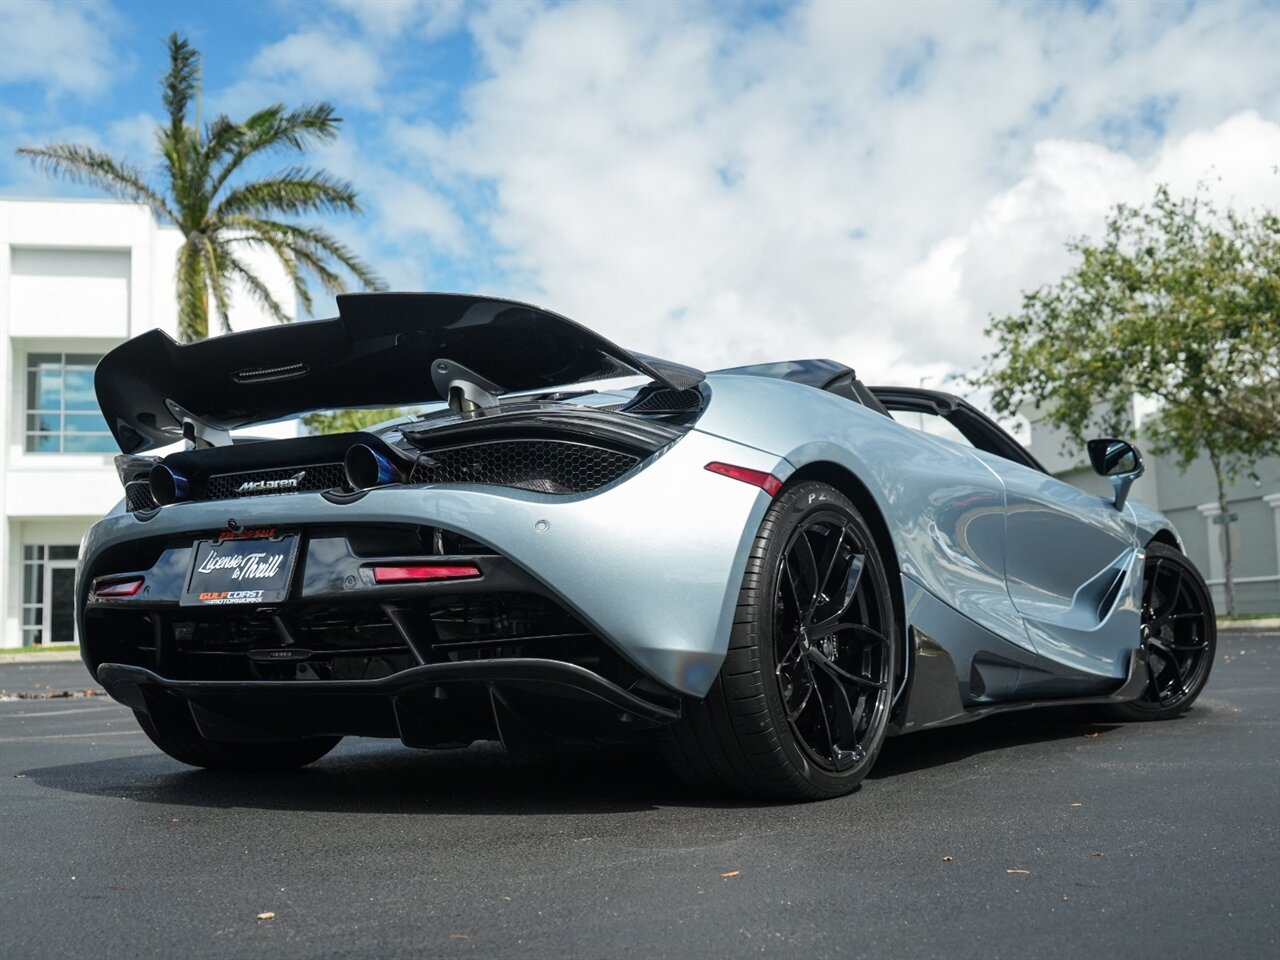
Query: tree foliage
x=349, y=421
x=1179, y=301
x=219, y=211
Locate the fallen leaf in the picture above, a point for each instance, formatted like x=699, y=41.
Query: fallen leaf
x=1091, y=734
x=1017, y=872
x=948, y=859
x=731, y=873
x=266, y=916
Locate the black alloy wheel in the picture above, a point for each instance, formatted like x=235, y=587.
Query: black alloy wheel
x=1179, y=636
x=801, y=706
x=832, y=661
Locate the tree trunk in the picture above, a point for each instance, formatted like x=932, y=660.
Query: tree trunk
x=1228, y=565
x=193, y=293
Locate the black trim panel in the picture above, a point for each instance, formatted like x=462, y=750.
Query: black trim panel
x=125, y=683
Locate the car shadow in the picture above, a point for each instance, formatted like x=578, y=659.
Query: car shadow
x=378, y=777
x=934, y=748
x=368, y=776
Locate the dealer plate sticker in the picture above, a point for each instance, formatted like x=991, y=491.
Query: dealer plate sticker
x=233, y=570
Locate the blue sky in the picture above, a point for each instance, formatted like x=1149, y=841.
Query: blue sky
x=720, y=183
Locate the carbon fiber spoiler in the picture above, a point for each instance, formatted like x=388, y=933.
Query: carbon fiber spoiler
x=380, y=351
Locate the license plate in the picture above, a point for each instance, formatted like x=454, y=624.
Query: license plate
x=231, y=571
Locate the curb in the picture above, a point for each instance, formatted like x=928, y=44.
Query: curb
x=1270, y=623
x=58, y=656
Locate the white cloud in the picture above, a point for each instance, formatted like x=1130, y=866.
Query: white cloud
x=1016, y=242
x=133, y=138
x=318, y=63
x=429, y=19
x=846, y=180
x=64, y=45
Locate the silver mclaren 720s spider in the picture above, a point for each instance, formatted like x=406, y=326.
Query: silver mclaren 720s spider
x=767, y=569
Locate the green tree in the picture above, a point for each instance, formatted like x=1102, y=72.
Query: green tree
x=1179, y=301
x=349, y=421
x=220, y=212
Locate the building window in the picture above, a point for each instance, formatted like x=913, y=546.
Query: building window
x=48, y=594
x=62, y=409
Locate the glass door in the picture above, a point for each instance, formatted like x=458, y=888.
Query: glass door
x=59, y=601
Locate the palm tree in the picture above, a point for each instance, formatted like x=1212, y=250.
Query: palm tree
x=221, y=214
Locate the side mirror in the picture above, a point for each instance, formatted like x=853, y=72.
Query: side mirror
x=1119, y=460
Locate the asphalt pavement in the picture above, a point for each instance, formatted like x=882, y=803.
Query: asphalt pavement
x=1040, y=834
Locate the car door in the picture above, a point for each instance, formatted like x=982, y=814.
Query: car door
x=1072, y=561
x=1074, y=570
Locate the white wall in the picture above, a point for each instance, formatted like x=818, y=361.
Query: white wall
x=82, y=276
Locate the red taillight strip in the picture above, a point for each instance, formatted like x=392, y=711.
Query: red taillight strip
x=757, y=478
x=423, y=574
x=120, y=588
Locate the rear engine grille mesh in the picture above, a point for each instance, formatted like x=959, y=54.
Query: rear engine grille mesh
x=137, y=496
x=545, y=466
x=320, y=476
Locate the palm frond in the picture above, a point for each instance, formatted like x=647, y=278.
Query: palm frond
x=296, y=190
x=297, y=129
x=220, y=135
x=215, y=258
x=179, y=84
x=257, y=289
x=275, y=128
x=80, y=164
x=289, y=260
x=313, y=263
x=187, y=174
x=312, y=242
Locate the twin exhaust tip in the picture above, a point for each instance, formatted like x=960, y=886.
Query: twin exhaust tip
x=365, y=468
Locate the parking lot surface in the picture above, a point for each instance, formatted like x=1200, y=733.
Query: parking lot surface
x=1041, y=834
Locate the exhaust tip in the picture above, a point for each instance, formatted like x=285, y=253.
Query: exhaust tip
x=366, y=468
x=168, y=485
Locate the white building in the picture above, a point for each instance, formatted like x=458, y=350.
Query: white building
x=76, y=279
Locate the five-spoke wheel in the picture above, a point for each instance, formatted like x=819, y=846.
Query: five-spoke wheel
x=831, y=658
x=801, y=705
x=1179, y=636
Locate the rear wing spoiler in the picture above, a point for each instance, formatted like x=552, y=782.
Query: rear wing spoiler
x=382, y=350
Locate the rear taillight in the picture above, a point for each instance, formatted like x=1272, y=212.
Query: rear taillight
x=423, y=574
x=119, y=588
x=757, y=478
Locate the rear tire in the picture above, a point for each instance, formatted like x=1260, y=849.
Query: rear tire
x=171, y=728
x=800, y=707
x=1179, y=634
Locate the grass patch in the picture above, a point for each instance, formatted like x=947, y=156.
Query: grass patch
x=1245, y=617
